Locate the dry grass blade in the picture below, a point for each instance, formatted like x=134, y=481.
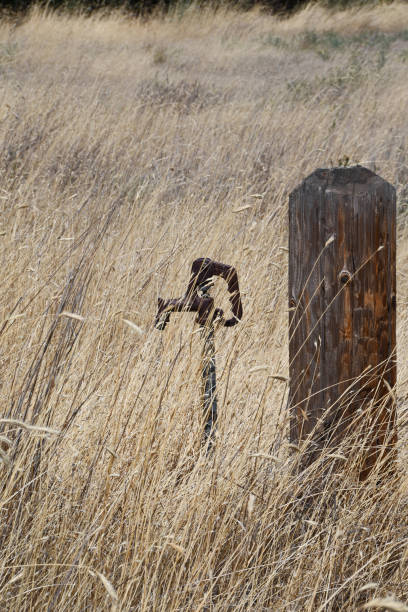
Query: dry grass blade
x=390, y=390
x=108, y=586
x=72, y=315
x=386, y=603
x=294, y=447
x=242, y=208
x=260, y=368
x=251, y=504
x=337, y=456
x=35, y=428
x=15, y=578
x=133, y=326
x=177, y=547
x=266, y=456
x=368, y=586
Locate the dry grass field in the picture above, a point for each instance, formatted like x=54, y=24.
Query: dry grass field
x=127, y=148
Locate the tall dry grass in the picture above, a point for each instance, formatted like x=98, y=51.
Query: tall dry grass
x=126, y=147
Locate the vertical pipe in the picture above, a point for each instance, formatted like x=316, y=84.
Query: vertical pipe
x=209, y=381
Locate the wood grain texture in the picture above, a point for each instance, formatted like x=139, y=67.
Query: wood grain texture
x=342, y=311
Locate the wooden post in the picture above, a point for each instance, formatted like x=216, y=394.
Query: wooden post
x=342, y=305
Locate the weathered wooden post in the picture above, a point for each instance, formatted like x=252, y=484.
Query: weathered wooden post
x=342, y=321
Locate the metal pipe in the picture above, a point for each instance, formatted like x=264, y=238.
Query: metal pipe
x=209, y=379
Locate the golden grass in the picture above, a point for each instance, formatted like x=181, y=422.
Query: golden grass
x=128, y=149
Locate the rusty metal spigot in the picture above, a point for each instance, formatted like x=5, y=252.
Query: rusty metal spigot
x=197, y=299
x=203, y=271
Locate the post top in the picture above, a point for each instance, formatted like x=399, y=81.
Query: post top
x=343, y=175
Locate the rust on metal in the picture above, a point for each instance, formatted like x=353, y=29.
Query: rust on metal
x=202, y=272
